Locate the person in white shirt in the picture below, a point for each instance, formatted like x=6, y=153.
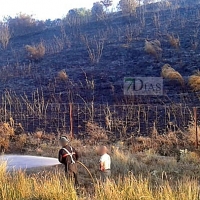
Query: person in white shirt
x=105, y=163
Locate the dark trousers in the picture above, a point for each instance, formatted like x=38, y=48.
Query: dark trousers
x=71, y=172
x=105, y=175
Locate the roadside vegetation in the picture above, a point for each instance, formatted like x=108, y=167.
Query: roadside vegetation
x=134, y=176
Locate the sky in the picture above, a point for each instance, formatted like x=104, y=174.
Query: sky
x=43, y=9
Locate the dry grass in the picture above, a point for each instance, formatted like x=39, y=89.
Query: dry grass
x=35, y=52
x=131, y=188
x=4, y=35
x=137, y=169
x=62, y=75
x=6, y=132
x=169, y=73
x=190, y=135
x=94, y=47
x=164, y=177
x=44, y=187
x=138, y=176
x=194, y=81
x=153, y=48
x=174, y=42
x=21, y=140
x=161, y=144
x=128, y=6
x=96, y=133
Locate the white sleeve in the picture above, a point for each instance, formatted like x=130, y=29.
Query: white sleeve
x=102, y=159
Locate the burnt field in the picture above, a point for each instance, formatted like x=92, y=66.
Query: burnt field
x=85, y=63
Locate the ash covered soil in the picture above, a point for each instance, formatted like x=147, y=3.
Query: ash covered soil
x=123, y=55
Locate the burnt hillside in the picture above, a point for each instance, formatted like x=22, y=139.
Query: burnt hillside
x=121, y=39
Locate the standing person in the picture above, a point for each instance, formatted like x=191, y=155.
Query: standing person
x=68, y=156
x=105, y=163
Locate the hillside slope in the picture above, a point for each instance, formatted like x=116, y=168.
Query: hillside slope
x=123, y=54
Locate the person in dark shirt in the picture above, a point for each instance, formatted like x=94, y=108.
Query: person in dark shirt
x=68, y=156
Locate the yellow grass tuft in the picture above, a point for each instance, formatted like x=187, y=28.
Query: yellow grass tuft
x=21, y=186
x=153, y=48
x=194, y=81
x=6, y=131
x=36, y=52
x=62, y=75
x=53, y=185
x=169, y=73
x=174, y=42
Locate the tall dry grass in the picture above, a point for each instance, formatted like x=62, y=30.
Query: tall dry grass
x=5, y=35
x=36, y=52
x=48, y=185
x=131, y=188
x=128, y=6
x=143, y=175
x=62, y=75
x=153, y=48
x=94, y=47
x=95, y=133
x=170, y=73
x=194, y=81
x=6, y=133
x=174, y=42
